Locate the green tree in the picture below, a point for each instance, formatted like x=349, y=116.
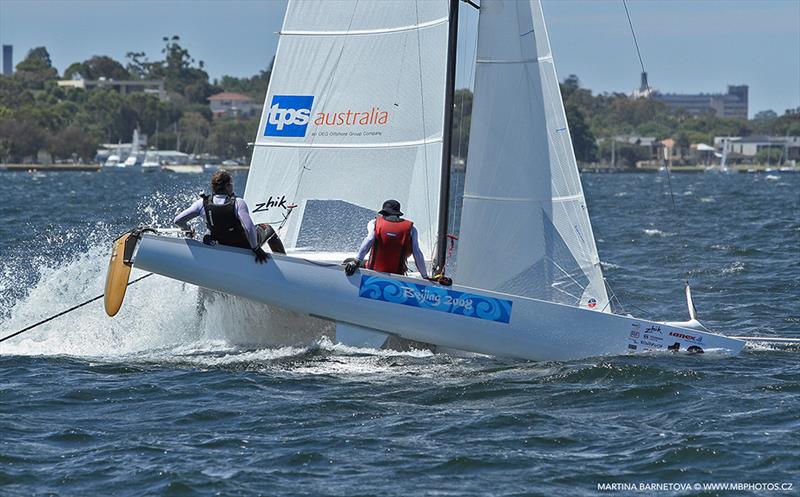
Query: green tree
x=180, y=73
x=140, y=67
x=625, y=154
x=99, y=66
x=13, y=93
x=73, y=140
x=35, y=69
x=765, y=115
x=255, y=87
x=20, y=139
x=583, y=140
x=229, y=138
x=152, y=115
x=103, y=106
x=770, y=155
x=194, y=130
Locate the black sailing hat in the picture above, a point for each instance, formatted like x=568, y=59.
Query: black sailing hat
x=390, y=208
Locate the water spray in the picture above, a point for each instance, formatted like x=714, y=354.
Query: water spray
x=54, y=316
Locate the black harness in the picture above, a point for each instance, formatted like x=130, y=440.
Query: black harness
x=222, y=222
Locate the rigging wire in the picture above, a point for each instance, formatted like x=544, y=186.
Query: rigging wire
x=424, y=129
x=667, y=166
x=635, y=41
x=54, y=316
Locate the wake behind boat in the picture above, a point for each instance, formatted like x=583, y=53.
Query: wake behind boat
x=359, y=110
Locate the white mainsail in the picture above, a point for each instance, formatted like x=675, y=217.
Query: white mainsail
x=525, y=229
x=354, y=115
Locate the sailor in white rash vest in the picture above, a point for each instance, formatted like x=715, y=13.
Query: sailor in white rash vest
x=228, y=219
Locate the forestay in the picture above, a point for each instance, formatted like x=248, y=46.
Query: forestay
x=353, y=116
x=525, y=229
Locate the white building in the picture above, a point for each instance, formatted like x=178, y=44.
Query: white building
x=750, y=146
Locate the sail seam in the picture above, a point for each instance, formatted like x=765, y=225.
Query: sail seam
x=565, y=198
x=413, y=143
x=362, y=32
x=515, y=61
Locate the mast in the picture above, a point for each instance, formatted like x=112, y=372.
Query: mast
x=444, y=188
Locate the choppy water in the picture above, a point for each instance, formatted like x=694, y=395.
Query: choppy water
x=162, y=401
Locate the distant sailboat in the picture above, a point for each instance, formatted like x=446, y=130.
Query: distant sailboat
x=358, y=111
x=723, y=157
x=151, y=160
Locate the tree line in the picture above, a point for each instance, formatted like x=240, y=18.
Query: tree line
x=38, y=115
x=595, y=120
x=69, y=123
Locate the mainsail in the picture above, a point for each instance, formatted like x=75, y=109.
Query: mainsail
x=354, y=115
x=525, y=229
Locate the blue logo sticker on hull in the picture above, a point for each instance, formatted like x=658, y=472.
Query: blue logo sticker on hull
x=435, y=298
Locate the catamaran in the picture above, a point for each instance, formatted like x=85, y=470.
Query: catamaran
x=359, y=110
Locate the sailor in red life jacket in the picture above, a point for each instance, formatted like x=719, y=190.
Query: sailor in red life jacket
x=228, y=220
x=390, y=241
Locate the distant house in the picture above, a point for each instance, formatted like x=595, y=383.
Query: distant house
x=701, y=153
x=227, y=104
x=750, y=146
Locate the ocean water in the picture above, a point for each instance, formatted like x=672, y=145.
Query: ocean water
x=165, y=400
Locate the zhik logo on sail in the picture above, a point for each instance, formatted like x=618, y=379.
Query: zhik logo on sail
x=289, y=115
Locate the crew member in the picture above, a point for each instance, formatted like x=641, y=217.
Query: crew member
x=390, y=241
x=228, y=219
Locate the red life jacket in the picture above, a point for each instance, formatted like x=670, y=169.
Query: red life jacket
x=392, y=246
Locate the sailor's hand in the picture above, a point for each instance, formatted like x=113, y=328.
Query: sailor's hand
x=261, y=256
x=350, y=266
x=440, y=279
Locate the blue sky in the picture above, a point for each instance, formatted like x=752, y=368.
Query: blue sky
x=687, y=45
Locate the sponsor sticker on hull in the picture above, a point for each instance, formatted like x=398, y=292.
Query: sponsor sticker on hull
x=653, y=329
x=644, y=339
x=686, y=336
x=435, y=298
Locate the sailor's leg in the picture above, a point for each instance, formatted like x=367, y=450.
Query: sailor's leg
x=267, y=234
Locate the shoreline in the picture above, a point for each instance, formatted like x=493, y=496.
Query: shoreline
x=197, y=168
x=181, y=168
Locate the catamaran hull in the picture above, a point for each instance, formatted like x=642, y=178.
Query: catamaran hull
x=454, y=317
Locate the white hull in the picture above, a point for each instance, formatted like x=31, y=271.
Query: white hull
x=535, y=329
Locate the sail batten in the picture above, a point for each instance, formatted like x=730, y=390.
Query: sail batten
x=567, y=198
x=412, y=143
x=515, y=61
x=362, y=32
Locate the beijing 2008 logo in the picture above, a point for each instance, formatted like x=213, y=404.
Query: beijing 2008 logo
x=289, y=115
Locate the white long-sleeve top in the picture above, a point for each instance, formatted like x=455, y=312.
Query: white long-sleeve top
x=419, y=259
x=242, y=212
